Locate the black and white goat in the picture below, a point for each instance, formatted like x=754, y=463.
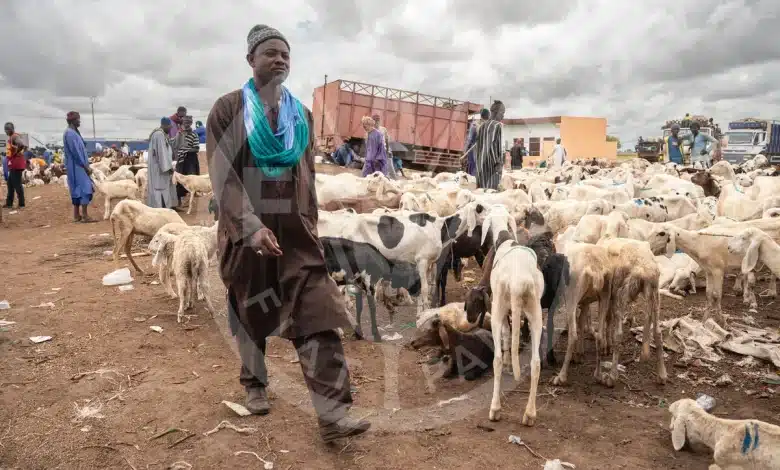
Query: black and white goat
x=362, y=265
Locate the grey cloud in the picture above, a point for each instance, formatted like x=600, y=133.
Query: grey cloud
x=404, y=43
x=49, y=52
x=492, y=14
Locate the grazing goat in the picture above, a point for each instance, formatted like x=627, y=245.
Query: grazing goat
x=120, y=189
x=189, y=264
x=162, y=246
x=362, y=264
x=193, y=184
x=634, y=272
x=415, y=238
x=736, y=443
x=130, y=218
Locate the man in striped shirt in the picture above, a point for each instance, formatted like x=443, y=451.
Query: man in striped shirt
x=187, y=146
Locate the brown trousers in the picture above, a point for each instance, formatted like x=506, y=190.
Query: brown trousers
x=322, y=362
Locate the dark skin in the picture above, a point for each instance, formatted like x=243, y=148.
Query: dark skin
x=9, y=131
x=79, y=215
x=270, y=63
x=695, y=132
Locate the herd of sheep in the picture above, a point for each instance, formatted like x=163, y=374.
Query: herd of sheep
x=558, y=240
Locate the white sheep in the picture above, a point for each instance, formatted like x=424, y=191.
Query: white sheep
x=709, y=248
x=189, y=264
x=130, y=218
x=141, y=180
x=517, y=288
x=194, y=184
x=121, y=173
x=756, y=246
x=736, y=443
x=592, y=228
x=121, y=189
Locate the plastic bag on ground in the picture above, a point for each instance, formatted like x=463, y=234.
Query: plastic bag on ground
x=118, y=277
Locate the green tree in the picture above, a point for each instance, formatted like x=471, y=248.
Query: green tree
x=612, y=138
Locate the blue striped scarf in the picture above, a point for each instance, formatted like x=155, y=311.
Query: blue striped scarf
x=275, y=152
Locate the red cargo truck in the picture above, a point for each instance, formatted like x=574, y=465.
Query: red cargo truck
x=432, y=129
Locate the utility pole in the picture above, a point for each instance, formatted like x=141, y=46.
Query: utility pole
x=92, y=105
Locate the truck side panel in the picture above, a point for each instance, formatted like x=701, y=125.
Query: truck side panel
x=416, y=120
x=773, y=146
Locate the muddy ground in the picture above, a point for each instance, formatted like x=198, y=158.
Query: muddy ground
x=149, y=382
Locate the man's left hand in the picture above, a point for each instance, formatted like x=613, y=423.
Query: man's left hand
x=703, y=152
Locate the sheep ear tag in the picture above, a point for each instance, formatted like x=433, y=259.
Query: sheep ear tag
x=638, y=202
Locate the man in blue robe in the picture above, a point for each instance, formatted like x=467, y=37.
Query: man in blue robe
x=77, y=166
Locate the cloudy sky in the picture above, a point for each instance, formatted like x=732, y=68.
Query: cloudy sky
x=636, y=63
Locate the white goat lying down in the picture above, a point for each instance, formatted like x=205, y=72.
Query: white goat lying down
x=737, y=443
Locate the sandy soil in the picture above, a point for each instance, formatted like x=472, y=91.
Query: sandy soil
x=149, y=382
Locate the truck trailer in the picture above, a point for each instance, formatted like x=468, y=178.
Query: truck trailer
x=430, y=129
x=747, y=138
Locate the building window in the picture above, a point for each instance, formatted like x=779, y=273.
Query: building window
x=534, y=147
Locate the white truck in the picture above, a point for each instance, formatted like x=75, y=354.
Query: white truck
x=747, y=138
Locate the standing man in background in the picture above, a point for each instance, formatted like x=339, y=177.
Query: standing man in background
x=161, y=192
x=77, y=167
x=176, y=120
x=673, y=145
x=125, y=149
x=558, y=154
x=490, y=148
x=701, y=146
x=14, y=154
x=201, y=131
x=187, y=147
x=516, y=155
x=388, y=152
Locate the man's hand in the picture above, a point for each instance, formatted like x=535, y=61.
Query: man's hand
x=264, y=241
x=703, y=152
x=88, y=170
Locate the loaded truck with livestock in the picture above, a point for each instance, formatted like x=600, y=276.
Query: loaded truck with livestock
x=426, y=131
x=746, y=138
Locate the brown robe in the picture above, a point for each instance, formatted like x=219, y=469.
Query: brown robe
x=291, y=296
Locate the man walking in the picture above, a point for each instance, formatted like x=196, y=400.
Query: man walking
x=262, y=171
x=376, y=155
x=160, y=191
x=490, y=149
x=77, y=167
x=386, y=142
x=558, y=154
x=14, y=154
x=187, y=147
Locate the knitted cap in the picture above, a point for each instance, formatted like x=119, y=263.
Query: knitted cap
x=261, y=33
x=72, y=115
x=165, y=121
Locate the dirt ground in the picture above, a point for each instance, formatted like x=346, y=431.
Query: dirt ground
x=104, y=354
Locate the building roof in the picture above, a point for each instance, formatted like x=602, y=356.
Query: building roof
x=534, y=120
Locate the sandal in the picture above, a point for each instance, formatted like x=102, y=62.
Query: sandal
x=88, y=220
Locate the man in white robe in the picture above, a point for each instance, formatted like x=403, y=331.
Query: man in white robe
x=558, y=155
x=161, y=192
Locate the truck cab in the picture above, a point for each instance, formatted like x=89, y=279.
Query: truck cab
x=748, y=138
